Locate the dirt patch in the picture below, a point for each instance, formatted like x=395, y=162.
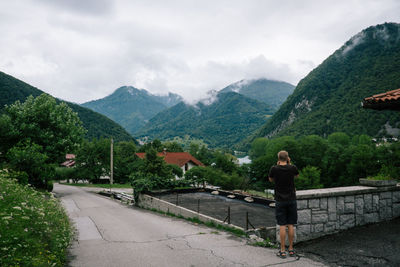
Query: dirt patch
x=217, y=207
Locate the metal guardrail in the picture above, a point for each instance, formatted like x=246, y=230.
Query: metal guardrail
x=120, y=196
x=123, y=196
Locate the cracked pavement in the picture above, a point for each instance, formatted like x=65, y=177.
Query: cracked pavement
x=112, y=234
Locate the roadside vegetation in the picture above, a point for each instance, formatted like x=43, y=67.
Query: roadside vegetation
x=34, y=228
x=338, y=160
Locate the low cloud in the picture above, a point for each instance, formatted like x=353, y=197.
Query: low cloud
x=83, y=50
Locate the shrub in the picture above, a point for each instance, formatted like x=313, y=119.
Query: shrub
x=34, y=228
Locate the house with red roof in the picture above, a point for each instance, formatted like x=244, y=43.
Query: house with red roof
x=389, y=100
x=182, y=159
x=70, y=161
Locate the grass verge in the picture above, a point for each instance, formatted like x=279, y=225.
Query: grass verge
x=265, y=244
x=100, y=185
x=34, y=228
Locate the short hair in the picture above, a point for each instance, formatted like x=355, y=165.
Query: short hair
x=283, y=155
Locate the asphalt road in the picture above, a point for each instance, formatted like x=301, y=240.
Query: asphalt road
x=113, y=234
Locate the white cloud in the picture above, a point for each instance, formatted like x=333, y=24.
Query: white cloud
x=83, y=50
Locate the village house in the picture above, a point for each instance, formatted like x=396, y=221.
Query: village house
x=182, y=159
x=70, y=161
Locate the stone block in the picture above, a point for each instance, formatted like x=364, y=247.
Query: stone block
x=371, y=217
x=332, y=204
x=347, y=221
x=302, y=204
x=332, y=216
x=385, y=211
x=396, y=209
x=319, y=216
x=340, y=205
x=349, y=199
x=396, y=196
x=330, y=227
x=359, y=205
x=313, y=203
x=360, y=220
x=349, y=207
x=303, y=231
x=323, y=203
x=368, y=203
x=385, y=195
x=317, y=228
x=375, y=202
x=304, y=216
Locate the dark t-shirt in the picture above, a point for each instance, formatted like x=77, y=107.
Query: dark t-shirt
x=283, y=176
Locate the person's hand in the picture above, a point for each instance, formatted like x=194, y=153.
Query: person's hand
x=278, y=163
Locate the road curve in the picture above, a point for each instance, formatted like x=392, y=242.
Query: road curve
x=113, y=234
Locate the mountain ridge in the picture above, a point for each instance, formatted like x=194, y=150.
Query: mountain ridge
x=328, y=99
x=220, y=123
x=132, y=107
x=272, y=92
x=97, y=125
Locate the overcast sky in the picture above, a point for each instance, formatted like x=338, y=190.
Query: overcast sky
x=80, y=50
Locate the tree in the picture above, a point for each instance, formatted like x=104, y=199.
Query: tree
x=54, y=127
x=258, y=147
x=125, y=161
x=36, y=135
x=224, y=162
x=309, y=178
x=93, y=159
x=153, y=173
x=28, y=157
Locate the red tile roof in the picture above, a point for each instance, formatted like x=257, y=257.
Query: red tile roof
x=68, y=163
x=69, y=156
x=388, y=100
x=176, y=158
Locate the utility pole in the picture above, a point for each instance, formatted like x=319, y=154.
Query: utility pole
x=111, y=164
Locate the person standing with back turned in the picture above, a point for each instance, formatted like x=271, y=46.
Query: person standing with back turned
x=282, y=175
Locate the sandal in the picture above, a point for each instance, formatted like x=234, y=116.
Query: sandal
x=292, y=253
x=281, y=254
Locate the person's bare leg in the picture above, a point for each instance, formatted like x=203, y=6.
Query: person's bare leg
x=291, y=236
x=282, y=235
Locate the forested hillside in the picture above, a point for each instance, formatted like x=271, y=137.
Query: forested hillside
x=273, y=93
x=132, y=107
x=97, y=125
x=328, y=99
x=222, y=123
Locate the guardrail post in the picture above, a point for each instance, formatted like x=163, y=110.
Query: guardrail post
x=247, y=220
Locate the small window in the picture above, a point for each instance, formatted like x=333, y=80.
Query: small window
x=186, y=167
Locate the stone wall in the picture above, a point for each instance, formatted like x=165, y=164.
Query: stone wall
x=327, y=211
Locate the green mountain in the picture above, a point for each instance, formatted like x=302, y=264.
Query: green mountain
x=273, y=93
x=220, y=121
x=131, y=107
x=97, y=125
x=329, y=98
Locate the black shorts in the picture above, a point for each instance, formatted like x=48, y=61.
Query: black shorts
x=286, y=212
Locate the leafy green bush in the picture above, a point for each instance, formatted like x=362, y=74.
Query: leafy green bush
x=380, y=177
x=34, y=228
x=309, y=178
